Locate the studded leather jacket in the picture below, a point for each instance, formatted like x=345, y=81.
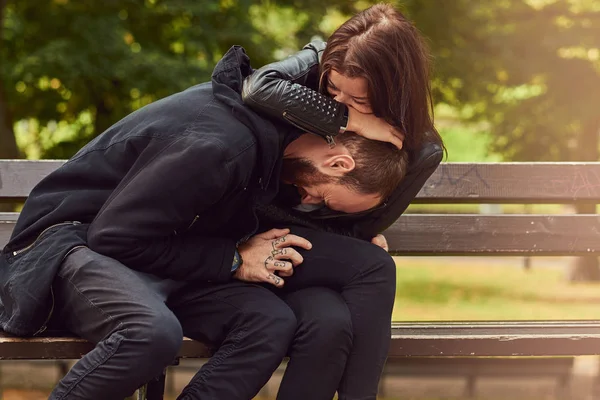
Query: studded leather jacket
x=285, y=90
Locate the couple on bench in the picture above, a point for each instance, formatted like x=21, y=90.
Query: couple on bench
x=244, y=212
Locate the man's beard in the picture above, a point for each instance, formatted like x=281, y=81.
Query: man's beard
x=302, y=172
x=298, y=172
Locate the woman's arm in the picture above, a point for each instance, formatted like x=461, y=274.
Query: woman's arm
x=285, y=90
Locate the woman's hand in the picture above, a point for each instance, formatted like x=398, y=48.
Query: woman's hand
x=371, y=127
x=380, y=241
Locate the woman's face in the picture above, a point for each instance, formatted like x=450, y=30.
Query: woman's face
x=350, y=91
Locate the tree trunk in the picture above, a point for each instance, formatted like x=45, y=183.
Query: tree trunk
x=103, y=119
x=585, y=269
x=8, y=144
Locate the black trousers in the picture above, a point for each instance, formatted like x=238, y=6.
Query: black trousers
x=332, y=318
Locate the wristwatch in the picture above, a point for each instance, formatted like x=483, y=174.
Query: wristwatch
x=237, y=261
x=344, y=123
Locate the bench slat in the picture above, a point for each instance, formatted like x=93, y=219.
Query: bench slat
x=410, y=339
x=431, y=234
x=495, y=338
x=474, y=234
x=18, y=177
x=451, y=182
x=513, y=183
x=71, y=348
x=462, y=366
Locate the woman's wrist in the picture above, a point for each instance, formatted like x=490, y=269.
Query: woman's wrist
x=351, y=121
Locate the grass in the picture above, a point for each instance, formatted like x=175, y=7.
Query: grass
x=476, y=290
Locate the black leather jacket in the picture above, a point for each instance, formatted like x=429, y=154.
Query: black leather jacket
x=284, y=90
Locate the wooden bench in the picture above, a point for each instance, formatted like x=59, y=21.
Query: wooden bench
x=430, y=347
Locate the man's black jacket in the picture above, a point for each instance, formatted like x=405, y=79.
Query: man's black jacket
x=168, y=190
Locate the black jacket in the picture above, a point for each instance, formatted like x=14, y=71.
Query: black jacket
x=167, y=190
x=284, y=90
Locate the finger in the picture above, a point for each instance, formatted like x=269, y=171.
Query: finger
x=380, y=241
x=396, y=141
x=291, y=240
x=283, y=268
x=274, y=280
x=273, y=233
x=399, y=134
x=287, y=253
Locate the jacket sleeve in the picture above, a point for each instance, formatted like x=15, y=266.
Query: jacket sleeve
x=284, y=90
x=172, y=183
x=420, y=170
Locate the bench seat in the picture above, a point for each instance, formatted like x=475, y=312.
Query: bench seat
x=410, y=339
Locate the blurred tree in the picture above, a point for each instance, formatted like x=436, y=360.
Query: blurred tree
x=528, y=67
x=87, y=64
x=8, y=146
x=531, y=68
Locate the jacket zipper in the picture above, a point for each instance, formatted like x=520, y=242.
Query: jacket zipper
x=45, y=324
x=17, y=252
x=24, y=249
x=193, y=222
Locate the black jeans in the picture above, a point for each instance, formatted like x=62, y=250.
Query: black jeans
x=361, y=279
x=334, y=321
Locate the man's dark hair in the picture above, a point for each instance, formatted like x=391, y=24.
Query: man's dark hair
x=380, y=166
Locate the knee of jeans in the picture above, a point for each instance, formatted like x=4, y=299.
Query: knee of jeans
x=327, y=328
x=159, y=333
x=276, y=323
x=382, y=271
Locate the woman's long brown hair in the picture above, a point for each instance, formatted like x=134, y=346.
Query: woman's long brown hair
x=382, y=46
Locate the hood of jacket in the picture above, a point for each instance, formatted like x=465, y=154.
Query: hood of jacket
x=227, y=83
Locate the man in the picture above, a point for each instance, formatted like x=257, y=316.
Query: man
x=149, y=233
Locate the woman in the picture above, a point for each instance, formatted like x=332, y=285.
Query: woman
x=375, y=67
x=371, y=78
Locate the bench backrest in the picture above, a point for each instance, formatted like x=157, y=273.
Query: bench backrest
x=447, y=234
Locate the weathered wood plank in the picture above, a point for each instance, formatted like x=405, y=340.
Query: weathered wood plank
x=417, y=339
x=451, y=183
x=18, y=177
x=464, y=366
x=496, y=338
x=64, y=347
x=513, y=183
x=433, y=234
x=7, y=223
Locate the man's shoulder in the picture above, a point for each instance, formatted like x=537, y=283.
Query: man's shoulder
x=226, y=138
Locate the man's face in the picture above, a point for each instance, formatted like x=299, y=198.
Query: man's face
x=316, y=187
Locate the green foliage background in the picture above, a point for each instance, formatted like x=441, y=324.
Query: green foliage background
x=514, y=79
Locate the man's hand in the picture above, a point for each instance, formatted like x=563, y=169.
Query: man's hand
x=380, y=241
x=269, y=256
